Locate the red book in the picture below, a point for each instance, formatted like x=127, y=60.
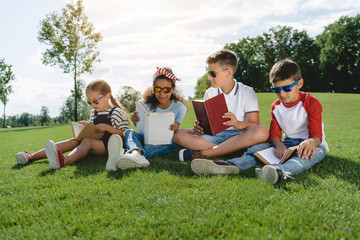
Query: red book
x=209, y=113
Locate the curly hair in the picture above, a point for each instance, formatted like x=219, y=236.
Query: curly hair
x=149, y=94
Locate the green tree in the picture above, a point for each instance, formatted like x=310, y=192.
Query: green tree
x=128, y=96
x=44, y=117
x=201, y=85
x=257, y=56
x=6, y=75
x=73, y=42
x=67, y=111
x=251, y=65
x=340, y=54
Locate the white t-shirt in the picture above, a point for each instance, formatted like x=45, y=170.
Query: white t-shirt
x=241, y=100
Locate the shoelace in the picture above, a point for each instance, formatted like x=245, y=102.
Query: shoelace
x=286, y=174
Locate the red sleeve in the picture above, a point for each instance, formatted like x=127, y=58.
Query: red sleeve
x=313, y=109
x=275, y=130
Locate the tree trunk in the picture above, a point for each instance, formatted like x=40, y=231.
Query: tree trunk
x=76, y=118
x=4, y=125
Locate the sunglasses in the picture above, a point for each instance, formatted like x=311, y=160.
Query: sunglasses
x=286, y=88
x=164, y=89
x=95, y=101
x=213, y=74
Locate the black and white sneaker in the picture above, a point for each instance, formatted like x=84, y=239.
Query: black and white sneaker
x=271, y=174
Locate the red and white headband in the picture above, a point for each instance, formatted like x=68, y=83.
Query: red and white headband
x=161, y=71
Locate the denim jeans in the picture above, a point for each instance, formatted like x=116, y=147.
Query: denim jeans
x=222, y=136
x=134, y=140
x=294, y=165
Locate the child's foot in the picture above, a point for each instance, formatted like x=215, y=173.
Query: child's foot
x=24, y=158
x=271, y=174
x=189, y=155
x=204, y=166
x=54, y=155
x=115, y=151
x=132, y=160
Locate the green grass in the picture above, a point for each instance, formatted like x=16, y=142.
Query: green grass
x=167, y=201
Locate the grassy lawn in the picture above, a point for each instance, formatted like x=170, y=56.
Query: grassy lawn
x=168, y=201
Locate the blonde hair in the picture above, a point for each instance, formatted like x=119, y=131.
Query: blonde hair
x=104, y=88
x=225, y=58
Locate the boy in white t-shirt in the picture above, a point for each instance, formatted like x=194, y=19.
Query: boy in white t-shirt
x=244, y=129
x=298, y=115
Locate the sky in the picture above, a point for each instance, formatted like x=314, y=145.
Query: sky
x=139, y=36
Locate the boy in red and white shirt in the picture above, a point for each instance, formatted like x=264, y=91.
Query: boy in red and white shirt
x=296, y=114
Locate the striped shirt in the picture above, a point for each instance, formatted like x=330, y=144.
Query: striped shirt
x=118, y=118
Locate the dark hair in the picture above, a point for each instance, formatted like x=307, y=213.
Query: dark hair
x=149, y=94
x=285, y=69
x=224, y=57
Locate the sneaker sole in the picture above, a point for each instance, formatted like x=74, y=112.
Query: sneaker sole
x=51, y=154
x=181, y=155
x=127, y=162
x=270, y=174
x=207, y=167
x=21, y=158
x=114, y=145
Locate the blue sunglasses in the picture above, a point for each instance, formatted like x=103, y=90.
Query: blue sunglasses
x=286, y=88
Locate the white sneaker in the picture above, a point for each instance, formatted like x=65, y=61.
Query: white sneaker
x=205, y=167
x=115, y=151
x=132, y=161
x=269, y=173
x=23, y=158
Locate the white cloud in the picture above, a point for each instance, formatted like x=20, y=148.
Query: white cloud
x=140, y=35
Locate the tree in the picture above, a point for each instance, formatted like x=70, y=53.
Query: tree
x=128, y=96
x=340, y=54
x=44, y=116
x=73, y=42
x=67, y=111
x=6, y=75
x=201, y=85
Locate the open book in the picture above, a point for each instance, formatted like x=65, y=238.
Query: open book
x=154, y=126
x=267, y=156
x=81, y=131
x=209, y=113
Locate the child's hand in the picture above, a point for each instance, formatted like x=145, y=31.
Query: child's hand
x=175, y=126
x=101, y=127
x=197, y=129
x=233, y=122
x=135, y=118
x=280, y=151
x=306, y=149
x=83, y=122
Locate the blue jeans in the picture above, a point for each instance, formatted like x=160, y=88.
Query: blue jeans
x=294, y=165
x=222, y=136
x=134, y=140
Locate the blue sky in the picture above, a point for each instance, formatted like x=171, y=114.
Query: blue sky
x=141, y=35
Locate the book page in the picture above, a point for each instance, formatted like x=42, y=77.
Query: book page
x=269, y=155
x=76, y=128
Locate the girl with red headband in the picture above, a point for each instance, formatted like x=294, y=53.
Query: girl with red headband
x=161, y=97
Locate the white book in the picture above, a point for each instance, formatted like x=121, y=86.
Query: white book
x=154, y=126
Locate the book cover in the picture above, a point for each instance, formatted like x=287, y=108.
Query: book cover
x=81, y=131
x=154, y=126
x=268, y=157
x=209, y=113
